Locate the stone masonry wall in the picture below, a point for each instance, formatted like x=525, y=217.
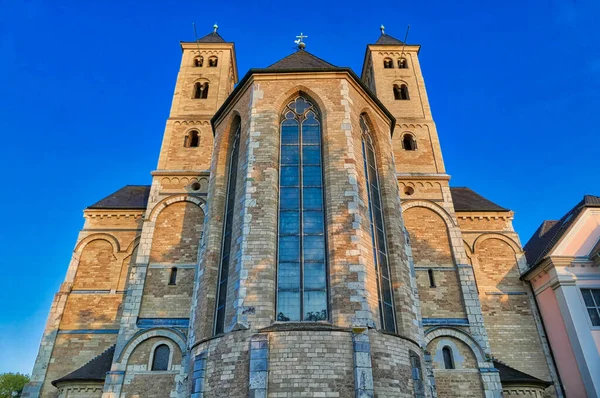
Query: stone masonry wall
x=92, y=311
x=140, y=381
x=177, y=234
x=310, y=364
x=95, y=266
x=162, y=300
x=391, y=365
x=464, y=380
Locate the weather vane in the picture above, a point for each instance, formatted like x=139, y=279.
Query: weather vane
x=382, y=28
x=299, y=42
x=215, y=27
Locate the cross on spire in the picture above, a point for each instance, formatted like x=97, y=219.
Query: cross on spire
x=299, y=42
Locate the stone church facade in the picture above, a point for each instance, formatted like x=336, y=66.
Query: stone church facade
x=299, y=239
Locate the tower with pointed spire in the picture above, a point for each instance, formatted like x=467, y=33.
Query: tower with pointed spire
x=299, y=238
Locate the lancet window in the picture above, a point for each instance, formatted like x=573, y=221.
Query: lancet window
x=227, y=235
x=378, y=237
x=302, y=259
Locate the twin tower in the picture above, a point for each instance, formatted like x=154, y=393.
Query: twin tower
x=299, y=239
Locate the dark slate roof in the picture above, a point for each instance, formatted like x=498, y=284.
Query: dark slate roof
x=550, y=232
x=301, y=59
x=212, y=37
x=128, y=197
x=388, y=40
x=465, y=199
x=509, y=375
x=94, y=370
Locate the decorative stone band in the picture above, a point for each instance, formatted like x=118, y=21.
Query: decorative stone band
x=144, y=323
x=445, y=321
x=506, y=293
x=89, y=331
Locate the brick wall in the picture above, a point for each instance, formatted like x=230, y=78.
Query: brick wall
x=95, y=266
x=311, y=363
x=465, y=379
x=177, y=234
x=71, y=351
x=227, y=364
x=391, y=365
x=445, y=299
x=92, y=311
x=428, y=238
x=138, y=382
x=161, y=300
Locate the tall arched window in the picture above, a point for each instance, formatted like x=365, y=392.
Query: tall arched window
x=402, y=64
x=448, y=358
x=198, y=61
x=227, y=232
x=201, y=90
x=212, y=62
x=388, y=63
x=378, y=237
x=160, y=360
x=302, y=261
x=192, y=139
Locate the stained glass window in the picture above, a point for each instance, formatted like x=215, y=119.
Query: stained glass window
x=302, y=260
x=380, y=253
x=227, y=231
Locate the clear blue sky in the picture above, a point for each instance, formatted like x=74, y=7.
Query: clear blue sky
x=86, y=89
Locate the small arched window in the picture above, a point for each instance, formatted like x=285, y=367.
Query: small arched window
x=201, y=90
x=198, y=62
x=402, y=63
x=400, y=92
x=409, y=143
x=212, y=62
x=448, y=358
x=192, y=139
x=173, y=276
x=388, y=63
x=160, y=361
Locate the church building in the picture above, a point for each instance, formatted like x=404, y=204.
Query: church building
x=300, y=238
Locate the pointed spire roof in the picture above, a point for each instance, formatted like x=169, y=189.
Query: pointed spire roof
x=94, y=370
x=212, y=37
x=388, y=40
x=301, y=59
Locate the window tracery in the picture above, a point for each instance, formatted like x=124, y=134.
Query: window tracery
x=302, y=262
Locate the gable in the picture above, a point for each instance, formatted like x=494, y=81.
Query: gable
x=582, y=237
